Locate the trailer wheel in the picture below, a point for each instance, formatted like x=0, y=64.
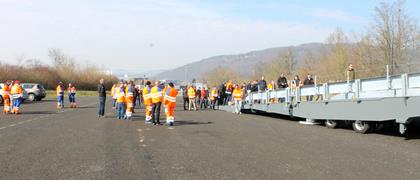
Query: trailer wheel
x=362, y=126
x=331, y=124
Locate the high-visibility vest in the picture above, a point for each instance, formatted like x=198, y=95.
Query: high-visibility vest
x=270, y=86
x=191, y=93
x=229, y=87
x=156, y=94
x=237, y=94
x=170, y=96
x=121, y=95
x=113, y=94
x=60, y=91
x=16, y=91
x=6, y=92
x=72, y=90
x=213, y=94
x=146, y=95
x=129, y=91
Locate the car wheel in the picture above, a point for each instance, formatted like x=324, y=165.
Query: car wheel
x=31, y=97
x=331, y=124
x=362, y=126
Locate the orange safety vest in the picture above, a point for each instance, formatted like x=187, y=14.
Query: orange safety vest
x=156, y=94
x=191, y=93
x=60, y=91
x=129, y=94
x=229, y=87
x=121, y=95
x=213, y=94
x=16, y=91
x=146, y=95
x=170, y=96
x=237, y=94
x=6, y=92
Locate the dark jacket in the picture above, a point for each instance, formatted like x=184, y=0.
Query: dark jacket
x=101, y=90
x=308, y=81
x=282, y=82
x=262, y=85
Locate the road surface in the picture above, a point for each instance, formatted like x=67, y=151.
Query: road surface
x=74, y=144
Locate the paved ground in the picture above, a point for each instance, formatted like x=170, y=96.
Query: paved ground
x=74, y=144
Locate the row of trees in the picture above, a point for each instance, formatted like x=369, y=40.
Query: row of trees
x=392, y=39
x=64, y=68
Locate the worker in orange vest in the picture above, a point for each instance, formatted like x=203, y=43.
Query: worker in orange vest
x=6, y=97
x=157, y=97
x=147, y=98
x=237, y=96
x=229, y=89
x=213, y=98
x=121, y=101
x=191, y=97
x=129, y=98
x=170, y=103
x=16, y=93
x=72, y=95
x=60, y=95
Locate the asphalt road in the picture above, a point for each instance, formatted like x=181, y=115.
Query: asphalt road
x=74, y=144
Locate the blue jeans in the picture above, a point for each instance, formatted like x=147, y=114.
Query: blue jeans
x=60, y=100
x=72, y=98
x=102, y=106
x=121, y=108
x=17, y=102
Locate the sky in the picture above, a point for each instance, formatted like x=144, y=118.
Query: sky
x=163, y=34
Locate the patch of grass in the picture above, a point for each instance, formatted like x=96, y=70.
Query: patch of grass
x=51, y=93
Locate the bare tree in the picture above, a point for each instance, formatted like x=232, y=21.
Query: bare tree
x=395, y=33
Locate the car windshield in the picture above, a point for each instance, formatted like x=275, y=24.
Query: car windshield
x=28, y=86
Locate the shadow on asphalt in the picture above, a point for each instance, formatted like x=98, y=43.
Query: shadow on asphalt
x=412, y=133
x=184, y=123
x=38, y=112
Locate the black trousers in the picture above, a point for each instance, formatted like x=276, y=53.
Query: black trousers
x=156, y=112
x=186, y=101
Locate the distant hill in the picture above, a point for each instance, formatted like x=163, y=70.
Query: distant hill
x=243, y=62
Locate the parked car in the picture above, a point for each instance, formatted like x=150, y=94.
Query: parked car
x=36, y=92
x=25, y=94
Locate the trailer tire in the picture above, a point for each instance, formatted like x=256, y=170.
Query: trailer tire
x=362, y=127
x=331, y=124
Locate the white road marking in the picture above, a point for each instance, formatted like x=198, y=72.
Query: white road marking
x=3, y=127
x=12, y=125
x=171, y=128
x=144, y=145
x=139, y=130
x=21, y=122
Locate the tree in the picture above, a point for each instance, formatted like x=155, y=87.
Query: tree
x=394, y=32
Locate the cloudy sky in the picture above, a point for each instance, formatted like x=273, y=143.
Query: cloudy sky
x=163, y=34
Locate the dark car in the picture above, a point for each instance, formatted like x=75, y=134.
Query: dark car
x=36, y=92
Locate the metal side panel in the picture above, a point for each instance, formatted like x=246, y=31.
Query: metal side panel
x=382, y=109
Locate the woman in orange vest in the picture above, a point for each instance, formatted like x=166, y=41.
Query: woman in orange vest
x=6, y=97
x=237, y=96
x=147, y=100
x=170, y=103
x=129, y=98
x=60, y=95
x=121, y=102
x=114, y=96
x=16, y=93
x=72, y=95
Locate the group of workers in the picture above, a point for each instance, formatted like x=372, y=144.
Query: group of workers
x=71, y=90
x=153, y=97
x=12, y=96
x=228, y=93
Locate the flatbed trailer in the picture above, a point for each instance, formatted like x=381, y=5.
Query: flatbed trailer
x=365, y=103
